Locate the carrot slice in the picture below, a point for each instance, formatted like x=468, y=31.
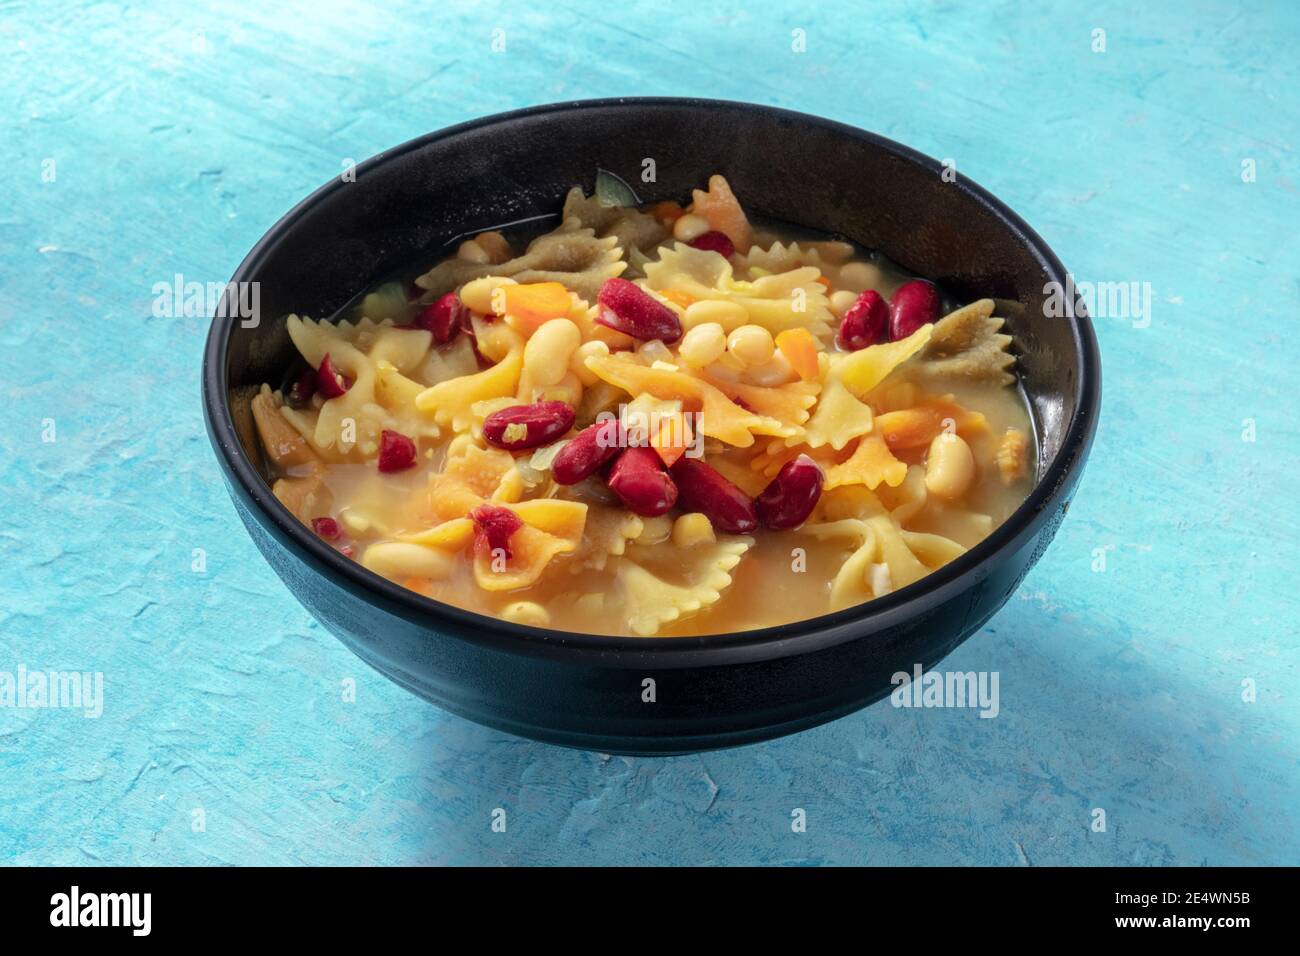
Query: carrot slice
x=677, y=297
x=911, y=427
x=672, y=439
x=800, y=350
x=535, y=302
x=667, y=212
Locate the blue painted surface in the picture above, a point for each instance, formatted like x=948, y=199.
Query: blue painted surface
x=179, y=134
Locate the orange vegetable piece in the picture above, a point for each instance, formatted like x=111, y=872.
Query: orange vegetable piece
x=667, y=212
x=912, y=427
x=826, y=283
x=800, y=350
x=535, y=302
x=672, y=439
x=909, y=427
x=677, y=297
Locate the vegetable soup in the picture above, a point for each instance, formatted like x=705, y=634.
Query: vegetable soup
x=652, y=421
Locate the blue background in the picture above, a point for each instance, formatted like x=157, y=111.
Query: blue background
x=179, y=134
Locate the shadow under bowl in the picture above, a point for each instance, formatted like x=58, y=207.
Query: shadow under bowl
x=586, y=691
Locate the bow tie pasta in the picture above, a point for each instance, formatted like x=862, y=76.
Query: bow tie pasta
x=660, y=420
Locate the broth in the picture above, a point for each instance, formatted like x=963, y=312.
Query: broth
x=422, y=457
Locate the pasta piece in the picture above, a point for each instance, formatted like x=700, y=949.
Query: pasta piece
x=748, y=480
x=782, y=257
x=870, y=464
x=723, y=212
x=863, y=370
x=404, y=349
x=283, y=444
x=574, y=257
x=607, y=532
x=969, y=344
x=839, y=417
x=852, y=582
x=904, y=567
x=450, y=402
x=451, y=535
x=906, y=500
x=305, y=497
x=634, y=230
x=551, y=527
x=932, y=550
x=468, y=479
x=968, y=528
x=1012, y=456
x=453, y=360
x=314, y=339
x=721, y=418
x=848, y=501
x=650, y=602
x=787, y=404
x=788, y=300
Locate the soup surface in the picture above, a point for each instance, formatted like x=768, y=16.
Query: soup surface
x=652, y=421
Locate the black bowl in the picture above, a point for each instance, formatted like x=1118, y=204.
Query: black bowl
x=588, y=691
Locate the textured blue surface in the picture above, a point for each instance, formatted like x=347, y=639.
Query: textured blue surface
x=178, y=134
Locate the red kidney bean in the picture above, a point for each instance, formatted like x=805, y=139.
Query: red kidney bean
x=915, y=303
x=330, y=383
x=864, y=322
x=494, y=526
x=541, y=421
x=327, y=528
x=702, y=488
x=303, y=388
x=590, y=448
x=639, y=479
x=790, y=498
x=627, y=308
x=396, y=451
x=443, y=317
x=714, y=241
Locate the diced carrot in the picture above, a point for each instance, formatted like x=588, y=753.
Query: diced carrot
x=825, y=282
x=667, y=212
x=915, y=426
x=672, y=438
x=800, y=350
x=535, y=302
x=677, y=297
x=909, y=427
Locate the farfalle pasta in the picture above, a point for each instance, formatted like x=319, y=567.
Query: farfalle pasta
x=660, y=420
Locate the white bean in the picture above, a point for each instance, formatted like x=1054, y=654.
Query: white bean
x=399, y=559
x=689, y=227
x=752, y=345
x=860, y=276
x=703, y=345
x=547, y=354
x=950, y=466
x=477, y=293
x=729, y=315
x=526, y=612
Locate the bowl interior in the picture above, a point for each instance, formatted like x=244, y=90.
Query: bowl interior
x=405, y=206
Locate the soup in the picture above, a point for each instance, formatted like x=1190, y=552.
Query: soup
x=652, y=421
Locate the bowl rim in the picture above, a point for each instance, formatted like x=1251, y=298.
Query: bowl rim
x=803, y=636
